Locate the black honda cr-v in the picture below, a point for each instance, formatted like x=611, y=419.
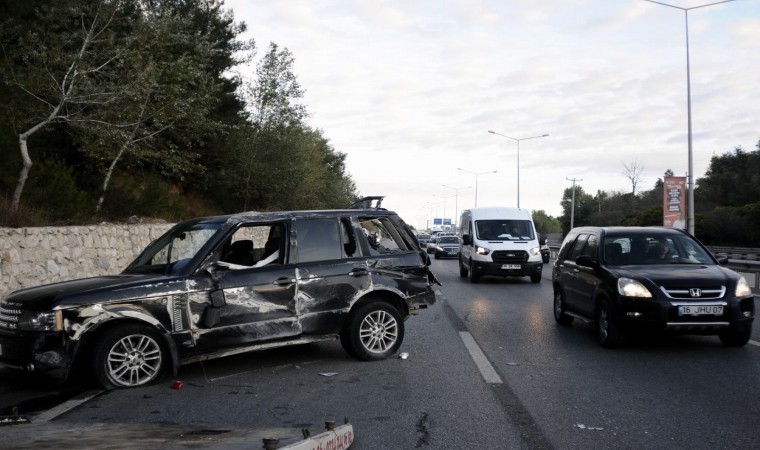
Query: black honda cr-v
x=648, y=278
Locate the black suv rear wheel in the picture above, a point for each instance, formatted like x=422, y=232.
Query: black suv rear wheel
x=374, y=331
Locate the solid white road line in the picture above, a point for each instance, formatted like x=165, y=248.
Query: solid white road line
x=486, y=369
x=52, y=413
x=755, y=343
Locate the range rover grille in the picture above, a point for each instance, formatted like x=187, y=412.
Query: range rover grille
x=10, y=312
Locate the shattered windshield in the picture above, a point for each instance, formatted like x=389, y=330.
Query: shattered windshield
x=504, y=230
x=171, y=252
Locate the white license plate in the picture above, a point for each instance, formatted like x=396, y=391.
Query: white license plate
x=700, y=310
x=511, y=266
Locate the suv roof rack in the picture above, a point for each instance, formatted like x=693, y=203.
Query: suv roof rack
x=366, y=203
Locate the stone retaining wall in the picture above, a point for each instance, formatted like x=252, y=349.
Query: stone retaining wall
x=34, y=256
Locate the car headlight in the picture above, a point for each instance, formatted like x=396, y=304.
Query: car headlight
x=41, y=321
x=535, y=251
x=742, y=288
x=632, y=288
x=482, y=250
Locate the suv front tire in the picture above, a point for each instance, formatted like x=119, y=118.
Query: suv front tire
x=608, y=331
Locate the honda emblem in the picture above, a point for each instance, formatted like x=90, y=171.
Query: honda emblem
x=695, y=292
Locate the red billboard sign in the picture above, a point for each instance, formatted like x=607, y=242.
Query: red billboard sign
x=674, y=202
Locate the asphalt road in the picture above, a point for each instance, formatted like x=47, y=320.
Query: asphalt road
x=487, y=367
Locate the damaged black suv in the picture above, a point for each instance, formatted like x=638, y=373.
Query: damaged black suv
x=217, y=286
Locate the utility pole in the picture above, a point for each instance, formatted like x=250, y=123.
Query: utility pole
x=572, y=205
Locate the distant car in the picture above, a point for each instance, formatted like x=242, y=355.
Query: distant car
x=215, y=286
x=446, y=246
x=648, y=278
x=546, y=253
x=423, y=240
x=430, y=247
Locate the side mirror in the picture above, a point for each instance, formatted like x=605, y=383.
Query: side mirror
x=584, y=261
x=467, y=239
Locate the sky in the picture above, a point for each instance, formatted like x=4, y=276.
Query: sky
x=409, y=90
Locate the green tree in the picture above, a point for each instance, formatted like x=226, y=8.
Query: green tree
x=732, y=179
x=545, y=223
x=56, y=58
x=275, y=113
x=581, y=212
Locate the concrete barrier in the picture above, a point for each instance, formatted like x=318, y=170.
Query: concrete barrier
x=39, y=255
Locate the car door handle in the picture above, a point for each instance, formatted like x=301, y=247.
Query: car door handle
x=284, y=281
x=358, y=272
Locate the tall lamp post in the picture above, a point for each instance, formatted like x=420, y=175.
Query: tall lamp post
x=518, y=156
x=476, y=180
x=572, y=205
x=456, y=200
x=690, y=174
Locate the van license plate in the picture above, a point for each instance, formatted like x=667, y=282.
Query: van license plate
x=511, y=266
x=700, y=310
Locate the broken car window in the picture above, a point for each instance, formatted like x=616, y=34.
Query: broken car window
x=382, y=236
x=318, y=239
x=254, y=246
x=171, y=252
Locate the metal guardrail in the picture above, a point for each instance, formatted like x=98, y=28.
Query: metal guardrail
x=738, y=253
x=745, y=260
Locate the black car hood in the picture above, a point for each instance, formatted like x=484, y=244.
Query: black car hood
x=677, y=274
x=93, y=290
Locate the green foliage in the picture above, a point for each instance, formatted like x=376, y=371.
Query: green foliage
x=54, y=189
x=733, y=179
x=545, y=224
x=156, y=124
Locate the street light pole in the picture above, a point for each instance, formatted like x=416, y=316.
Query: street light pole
x=572, y=205
x=476, y=180
x=518, y=156
x=456, y=200
x=690, y=174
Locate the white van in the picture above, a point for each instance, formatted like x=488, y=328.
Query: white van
x=499, y=241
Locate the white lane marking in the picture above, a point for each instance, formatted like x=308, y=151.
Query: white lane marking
x=52, y=413
x=755, y=343
x=486, y=369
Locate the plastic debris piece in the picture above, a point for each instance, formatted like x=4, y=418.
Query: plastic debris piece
x=178, y=384
x=403, y=355
x=581, y=426
x=328, y=374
